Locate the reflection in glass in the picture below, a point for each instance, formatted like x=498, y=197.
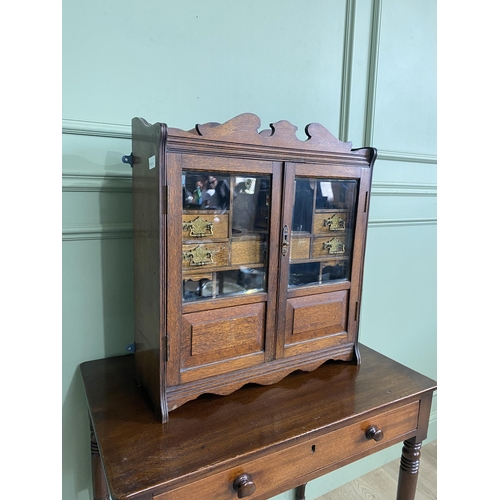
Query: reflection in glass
x=225, y=228
x=206, y=191
x=304, y=274
x=336, y=194
x=303, y=206
x=322, y=231
x=223, y=283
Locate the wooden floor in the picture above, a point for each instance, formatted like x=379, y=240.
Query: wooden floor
x=382, y=483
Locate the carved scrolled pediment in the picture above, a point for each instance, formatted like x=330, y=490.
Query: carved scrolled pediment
x=244, y=129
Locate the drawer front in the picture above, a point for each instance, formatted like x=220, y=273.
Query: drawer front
x=208, y=226
x=289, y=465
x=204, y=256
x=329, y=246
x=300, y=247
x=246, y=252
x=330, y=222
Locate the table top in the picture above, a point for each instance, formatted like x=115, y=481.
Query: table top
x=141, y=454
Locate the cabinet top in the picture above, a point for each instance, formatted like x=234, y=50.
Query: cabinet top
x=242, y=132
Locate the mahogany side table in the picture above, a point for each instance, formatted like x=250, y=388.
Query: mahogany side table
x=258, y=441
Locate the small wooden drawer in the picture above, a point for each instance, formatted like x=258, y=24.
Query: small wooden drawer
x=204, y=225
x=246, y=251
x=204, y=256
x=330, y=222
x=331, y=246
x=289, y=465
x=300, y=245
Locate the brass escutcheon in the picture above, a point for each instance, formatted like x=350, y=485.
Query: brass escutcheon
x=334, y=246
x=199, y=227
x=198, y=256
x=335, y=223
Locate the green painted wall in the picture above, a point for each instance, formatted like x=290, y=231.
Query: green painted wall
x=364, y=69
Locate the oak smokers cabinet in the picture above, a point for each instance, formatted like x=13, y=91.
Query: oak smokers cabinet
x=248, y=254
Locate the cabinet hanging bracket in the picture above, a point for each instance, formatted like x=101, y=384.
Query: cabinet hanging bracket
x=128, y=159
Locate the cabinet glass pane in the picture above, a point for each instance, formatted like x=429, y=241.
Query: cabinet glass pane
x=324, y=214
x=225, y=234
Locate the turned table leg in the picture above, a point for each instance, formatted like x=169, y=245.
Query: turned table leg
x=300, y=492
x=99, y=484
x=408, y=471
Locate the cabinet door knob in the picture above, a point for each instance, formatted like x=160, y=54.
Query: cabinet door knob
x=374, y=433
x=244, y=486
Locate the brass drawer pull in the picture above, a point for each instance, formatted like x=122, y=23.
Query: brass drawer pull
x=244, y=486
x=335, y=223
x=334, y=246
x=198, y=256
x=374, y=433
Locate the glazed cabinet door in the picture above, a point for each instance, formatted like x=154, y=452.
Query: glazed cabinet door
x=222, y=222
x=323, y=226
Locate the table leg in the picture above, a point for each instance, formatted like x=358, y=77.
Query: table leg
x=408, y=471
x=300, y=492
x=99, y=484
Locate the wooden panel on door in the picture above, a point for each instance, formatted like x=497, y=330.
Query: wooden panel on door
x=315, y=320
x=230, y=338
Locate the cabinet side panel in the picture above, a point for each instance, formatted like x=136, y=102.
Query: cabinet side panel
x=358, y=258
x=146, y=214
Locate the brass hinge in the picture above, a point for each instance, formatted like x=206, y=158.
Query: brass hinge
x=366, y=201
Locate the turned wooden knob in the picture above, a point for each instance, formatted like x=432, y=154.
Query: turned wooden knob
x=244, y=486
x=374, y=433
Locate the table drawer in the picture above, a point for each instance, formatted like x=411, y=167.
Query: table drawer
x=286, y=466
